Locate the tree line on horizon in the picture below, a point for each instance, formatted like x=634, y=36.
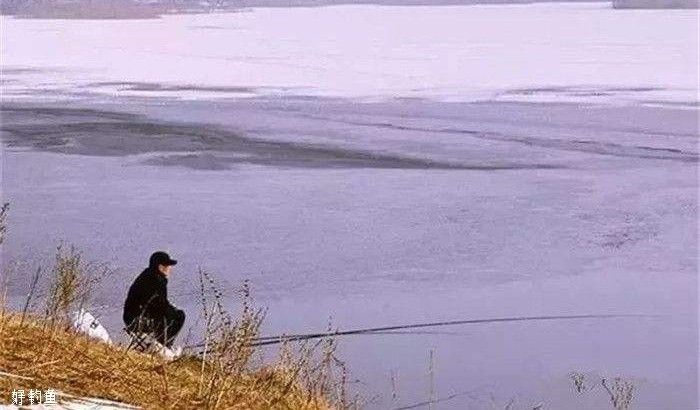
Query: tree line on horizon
x=106, y=8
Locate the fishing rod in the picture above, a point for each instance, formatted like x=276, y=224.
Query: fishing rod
x=277, y=339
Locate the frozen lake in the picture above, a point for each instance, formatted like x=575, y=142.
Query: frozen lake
x=384, y=165
x=543, y=52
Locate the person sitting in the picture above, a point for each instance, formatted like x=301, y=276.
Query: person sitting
x=147, y=309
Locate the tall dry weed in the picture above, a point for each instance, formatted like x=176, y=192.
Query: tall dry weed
x=72, y=283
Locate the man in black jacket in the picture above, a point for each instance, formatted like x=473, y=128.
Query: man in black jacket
x=147, y=309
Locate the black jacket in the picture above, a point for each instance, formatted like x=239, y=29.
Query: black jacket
x=148, y=296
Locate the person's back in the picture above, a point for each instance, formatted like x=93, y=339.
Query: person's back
x=147, y=296
x=147, y=309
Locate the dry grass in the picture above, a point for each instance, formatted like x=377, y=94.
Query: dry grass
x=73, y=281
x=620, y=392
x=69, y=362
x=3, y=219
x=228, y=350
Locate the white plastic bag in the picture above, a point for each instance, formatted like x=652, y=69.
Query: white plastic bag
x=85, y=322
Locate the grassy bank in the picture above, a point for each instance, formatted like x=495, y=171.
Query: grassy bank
x=42, y=356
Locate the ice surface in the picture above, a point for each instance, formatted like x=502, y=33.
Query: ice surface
x=543, y=52
x=337, y=193
x=608, y=229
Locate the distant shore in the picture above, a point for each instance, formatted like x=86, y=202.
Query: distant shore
x=132, y=10
x=656, y=4
x=129, y=10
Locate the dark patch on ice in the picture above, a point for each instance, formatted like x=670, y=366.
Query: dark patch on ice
x=685, y=104
x=20, y=114
x=19, y=70
x=194, y=161
x=635, y=89
x=591, y=94
x=536, y=90
x=590, y=146
x=561, y=144
x=100, y=133
x=212, y=27
x=317, y=158
x=580, y=91
x=149, y=86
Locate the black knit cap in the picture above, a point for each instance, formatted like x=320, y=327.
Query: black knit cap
x=161, y=258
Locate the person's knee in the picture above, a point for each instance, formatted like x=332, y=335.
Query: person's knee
x=177, y=318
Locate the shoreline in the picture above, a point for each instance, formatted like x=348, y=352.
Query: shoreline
x=136, y=11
